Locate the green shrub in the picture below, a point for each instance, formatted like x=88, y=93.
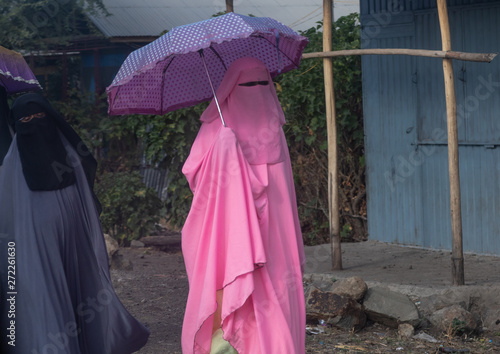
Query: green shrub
x=167, y=141
x=129, y=208
x=302, y=96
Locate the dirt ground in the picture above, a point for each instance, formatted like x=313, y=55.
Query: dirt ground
x=407, y=266
x=155, y=292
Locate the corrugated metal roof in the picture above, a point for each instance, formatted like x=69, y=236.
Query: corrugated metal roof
x=130, y=18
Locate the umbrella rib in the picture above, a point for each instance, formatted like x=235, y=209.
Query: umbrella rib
x=163, y=85
x=282, y=52
x=218, y=56
x=202, y=55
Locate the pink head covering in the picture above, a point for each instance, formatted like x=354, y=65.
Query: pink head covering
x=252, y=111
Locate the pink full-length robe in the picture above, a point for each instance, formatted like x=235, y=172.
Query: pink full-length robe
x=242, y=234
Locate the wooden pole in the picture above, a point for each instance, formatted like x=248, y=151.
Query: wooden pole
x=229, y=6
x=457, y=258
x=478, y=57
x=333, y=193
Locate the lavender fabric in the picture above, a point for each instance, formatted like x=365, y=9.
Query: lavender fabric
x=169, y=73
x=15, y=74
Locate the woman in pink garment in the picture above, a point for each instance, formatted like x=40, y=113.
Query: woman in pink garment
x=242, y=242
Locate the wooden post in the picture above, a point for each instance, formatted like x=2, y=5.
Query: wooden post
x=457, y=258
x=229, y=6
x=333, y=192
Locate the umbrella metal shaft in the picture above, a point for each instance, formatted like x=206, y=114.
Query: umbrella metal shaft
x=212, y=87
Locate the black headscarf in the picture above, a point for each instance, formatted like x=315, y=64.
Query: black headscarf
x=5, y=136
x=46, y=163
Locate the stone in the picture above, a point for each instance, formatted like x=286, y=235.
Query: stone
x=116, y=260
x=454, y=319
x=482, y=302
x=119, y=262
x=491, y=319
x=336, y=310
x=433, y=303
x=111, y=245
x=353, y=287
x=136, y=244
x=405, y=330
x=390, y=308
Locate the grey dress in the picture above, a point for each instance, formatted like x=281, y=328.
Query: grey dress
x=63, y=298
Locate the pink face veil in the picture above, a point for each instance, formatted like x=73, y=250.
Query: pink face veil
x=250, y=107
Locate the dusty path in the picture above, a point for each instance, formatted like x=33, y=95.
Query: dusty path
x=155, y=292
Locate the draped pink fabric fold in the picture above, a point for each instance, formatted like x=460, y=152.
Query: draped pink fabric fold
x=242, y=234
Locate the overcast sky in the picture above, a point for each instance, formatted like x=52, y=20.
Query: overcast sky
x=297, y=14
x=340, y=8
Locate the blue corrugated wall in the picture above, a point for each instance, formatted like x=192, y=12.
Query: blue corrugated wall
x=405, y=124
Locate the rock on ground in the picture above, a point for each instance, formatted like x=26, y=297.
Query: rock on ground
x=454, y=320
x=353, y=287
x=390, y=308
x=336, y=310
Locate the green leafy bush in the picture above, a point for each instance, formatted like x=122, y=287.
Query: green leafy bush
x=167, y=141
x=302, y=96
x=112, y=139
x=130, y=209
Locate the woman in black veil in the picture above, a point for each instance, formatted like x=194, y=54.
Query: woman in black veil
x=63, y=298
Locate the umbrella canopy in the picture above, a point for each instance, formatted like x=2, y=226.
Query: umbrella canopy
x=170, y=72
x=15, y=74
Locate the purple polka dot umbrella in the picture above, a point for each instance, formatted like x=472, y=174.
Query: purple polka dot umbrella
x=171, y=72
x=15, y=74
